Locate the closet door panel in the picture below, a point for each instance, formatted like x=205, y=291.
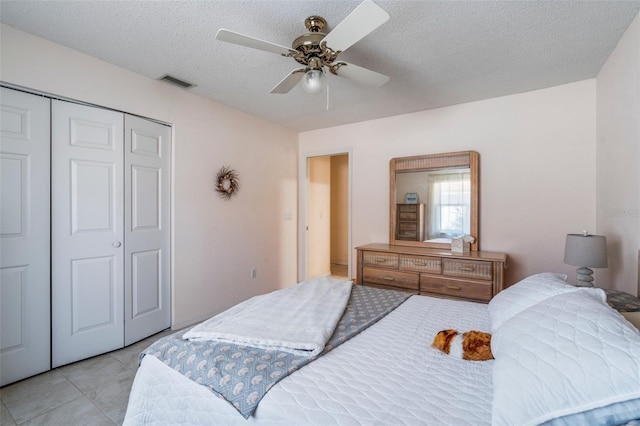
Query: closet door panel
x=24, y=235
x=92, y=197
x=147, y=228
x=88, y=232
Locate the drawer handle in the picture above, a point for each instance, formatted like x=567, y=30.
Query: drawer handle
x=380, y=260
x=388, y=278
x=467, y=269
x=420, y=263
x=454, y=287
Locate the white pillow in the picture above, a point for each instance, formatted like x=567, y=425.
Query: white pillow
x=524, y=294
x=571, y=358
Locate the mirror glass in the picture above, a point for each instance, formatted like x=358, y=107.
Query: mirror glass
x=434, y=198
x=446, y=195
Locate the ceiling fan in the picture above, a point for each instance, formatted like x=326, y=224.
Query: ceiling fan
x=318, y=52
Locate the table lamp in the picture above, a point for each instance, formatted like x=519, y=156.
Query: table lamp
x=586, y=251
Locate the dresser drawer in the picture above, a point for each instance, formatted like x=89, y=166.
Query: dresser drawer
x=380, y=260
x=408, y=208
x=408, y=236
x=408, y=216
x=407, y=230
x=408, y=226
x=476, y=269
x=391, y=278
x=467, y=289
x=432, y=265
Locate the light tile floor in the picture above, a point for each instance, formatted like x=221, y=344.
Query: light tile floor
x=91, y=392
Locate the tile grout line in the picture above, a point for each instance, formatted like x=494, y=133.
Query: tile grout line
x=6, y=410
x=55, y=408
x=61, y=372
x=81, y=393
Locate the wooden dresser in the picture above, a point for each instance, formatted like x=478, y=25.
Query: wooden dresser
x=410, y=222
x=475, y=276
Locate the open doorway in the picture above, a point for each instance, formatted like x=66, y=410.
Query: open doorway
x=339, y=254
x=325, y=203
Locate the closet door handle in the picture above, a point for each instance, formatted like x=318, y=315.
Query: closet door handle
x=116, y=244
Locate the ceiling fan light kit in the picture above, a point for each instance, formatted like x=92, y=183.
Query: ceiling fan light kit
x=318, y=52
x=314, y=81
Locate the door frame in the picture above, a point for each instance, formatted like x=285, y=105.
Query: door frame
x=303, y=206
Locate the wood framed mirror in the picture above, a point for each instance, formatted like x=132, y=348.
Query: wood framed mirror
x=434, y=198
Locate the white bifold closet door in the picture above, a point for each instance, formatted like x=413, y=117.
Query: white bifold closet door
x=147, y=222
x=24, y=235
x=87, y=183
x=110, y=230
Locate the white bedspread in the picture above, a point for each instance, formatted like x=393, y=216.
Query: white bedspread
x=387, y=375
x=298, y=319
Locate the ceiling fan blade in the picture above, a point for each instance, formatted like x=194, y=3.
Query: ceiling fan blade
x=361, y=75
x=289, y=82
x=361, y=21
x=247, y=41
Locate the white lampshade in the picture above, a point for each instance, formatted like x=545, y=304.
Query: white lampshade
x=586, y=250
x=314, y=81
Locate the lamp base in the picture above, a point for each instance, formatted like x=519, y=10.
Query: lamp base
x=584, y=277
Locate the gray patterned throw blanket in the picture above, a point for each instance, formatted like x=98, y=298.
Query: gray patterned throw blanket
x=242, y=375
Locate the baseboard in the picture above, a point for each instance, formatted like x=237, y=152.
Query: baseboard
x=188, y=323
x=324, y=274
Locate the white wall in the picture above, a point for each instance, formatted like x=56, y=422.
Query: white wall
x=216, y=242
x=537, y=169
x=618, y=162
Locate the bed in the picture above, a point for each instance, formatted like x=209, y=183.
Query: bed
x=562, y=356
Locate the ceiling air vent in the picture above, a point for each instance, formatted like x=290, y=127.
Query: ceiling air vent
x=169, y=79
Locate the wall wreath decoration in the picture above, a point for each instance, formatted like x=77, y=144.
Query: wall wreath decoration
x=227, y=183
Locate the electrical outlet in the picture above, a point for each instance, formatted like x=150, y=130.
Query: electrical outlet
x=254, y=273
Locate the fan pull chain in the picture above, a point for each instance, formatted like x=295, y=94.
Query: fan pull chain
x=327, y=97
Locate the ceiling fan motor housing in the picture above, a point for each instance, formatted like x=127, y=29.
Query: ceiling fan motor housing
x=309, y=45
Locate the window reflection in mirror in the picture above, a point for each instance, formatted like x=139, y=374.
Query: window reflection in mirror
x=447, y=198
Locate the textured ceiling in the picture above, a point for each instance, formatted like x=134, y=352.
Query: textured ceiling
x=437, y=53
